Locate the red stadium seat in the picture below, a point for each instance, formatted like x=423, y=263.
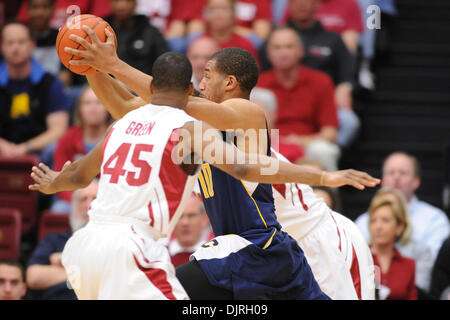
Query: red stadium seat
x=14, y=193
x=10, y=231
x=51, y=222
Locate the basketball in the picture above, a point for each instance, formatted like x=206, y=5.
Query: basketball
x=75, y=26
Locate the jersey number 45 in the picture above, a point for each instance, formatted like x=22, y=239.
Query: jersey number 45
x=121, y=155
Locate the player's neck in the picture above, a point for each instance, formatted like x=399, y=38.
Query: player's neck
x=235, y=95
x=173, y=100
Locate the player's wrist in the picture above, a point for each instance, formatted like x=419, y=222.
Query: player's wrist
x=116, y=67
x=322, y=178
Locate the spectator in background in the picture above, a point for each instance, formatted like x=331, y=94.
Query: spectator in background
x=139, y=43
x=12, y=280
x=34, y=107
x=157, y=11
x=40, y=13
x=186, y=23
x=266, y=99
x=62, y=10
x=401, y=171
x=306, y=113
x=46, y=276
x=198, y=53
x=91, y=120
x=409, y=247
x=221, y=23
x=191, y=231
x=253, y=20
x=344, y=18
x=388, y=224
x=325, y=51
x=440, y=279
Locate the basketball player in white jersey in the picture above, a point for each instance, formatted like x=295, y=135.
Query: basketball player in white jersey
x=339, y=257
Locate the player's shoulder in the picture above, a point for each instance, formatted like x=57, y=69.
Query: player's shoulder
x=244, y=105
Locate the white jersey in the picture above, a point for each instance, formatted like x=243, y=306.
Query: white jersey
x=298, y=209
x=138, y=178
x=336, y=251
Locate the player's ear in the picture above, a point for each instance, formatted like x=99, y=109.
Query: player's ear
x=151, y=87
x=191, y=90
x=231, y=83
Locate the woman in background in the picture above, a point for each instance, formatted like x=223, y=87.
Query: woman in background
x=388, y=224
x=91, y=120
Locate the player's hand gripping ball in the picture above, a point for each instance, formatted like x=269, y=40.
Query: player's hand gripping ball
x=75, y=26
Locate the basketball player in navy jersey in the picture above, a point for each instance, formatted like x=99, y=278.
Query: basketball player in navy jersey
x=250, y=258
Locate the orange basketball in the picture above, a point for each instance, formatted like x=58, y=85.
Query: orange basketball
x=75, y=26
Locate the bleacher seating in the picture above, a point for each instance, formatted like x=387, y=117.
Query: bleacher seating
x=10, y=231
x=14, y=192
x=52, y=222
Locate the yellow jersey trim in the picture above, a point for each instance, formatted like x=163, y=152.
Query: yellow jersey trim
x=257, y=208
x=270, y=240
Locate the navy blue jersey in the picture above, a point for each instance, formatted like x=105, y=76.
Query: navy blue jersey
x=233, y=209
x=267, y=263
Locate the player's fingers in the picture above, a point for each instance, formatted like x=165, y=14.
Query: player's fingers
x=68, y=163
x=81, y=41
x=354, y=183
x=109, y=37
x=92, y=34
x=44, y=168
x=34, y=186
x=37, y=171
x=364, y=178
x=81, y=62
x=76, y=52
x=36, y=178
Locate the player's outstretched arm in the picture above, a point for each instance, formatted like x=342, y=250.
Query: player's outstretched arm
x=207, y=145
x=73, y=176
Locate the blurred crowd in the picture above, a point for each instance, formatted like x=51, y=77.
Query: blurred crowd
x=312, y=55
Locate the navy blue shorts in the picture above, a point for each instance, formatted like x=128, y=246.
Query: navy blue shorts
x=277, y=270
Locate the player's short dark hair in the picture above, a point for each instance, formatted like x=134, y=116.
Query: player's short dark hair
x=239, y=63
x=172, y=71
x=10, y=22
x=14, y=263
